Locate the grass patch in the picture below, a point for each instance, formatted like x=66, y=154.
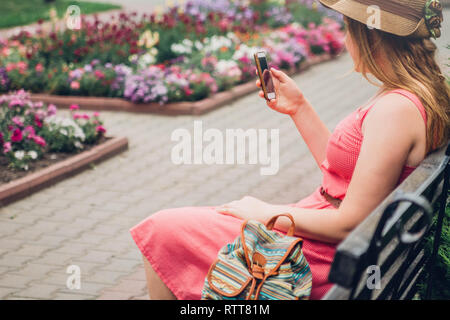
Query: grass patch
x=441, y=271
x=18, y=13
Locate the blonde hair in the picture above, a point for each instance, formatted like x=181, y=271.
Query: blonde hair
x=415, y=68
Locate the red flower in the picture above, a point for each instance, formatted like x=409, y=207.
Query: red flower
x=17, y=135
x=37, y=121
x=99, y=74
x=100, y=129
x=74, y=107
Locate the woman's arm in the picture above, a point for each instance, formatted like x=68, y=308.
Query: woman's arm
x=290, y=100
x=314, y=132
x=392, y=128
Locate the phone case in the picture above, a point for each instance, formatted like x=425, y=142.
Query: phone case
x=261, y=79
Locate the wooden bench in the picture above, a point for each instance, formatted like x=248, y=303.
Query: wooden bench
x=390, y=242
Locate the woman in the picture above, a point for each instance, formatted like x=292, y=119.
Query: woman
x=369, y=153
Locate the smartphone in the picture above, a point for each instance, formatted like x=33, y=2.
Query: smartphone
x=264, y=75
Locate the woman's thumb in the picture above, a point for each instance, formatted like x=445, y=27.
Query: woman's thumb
x=280, y=75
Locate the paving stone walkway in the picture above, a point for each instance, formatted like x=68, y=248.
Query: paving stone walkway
x=84, y=220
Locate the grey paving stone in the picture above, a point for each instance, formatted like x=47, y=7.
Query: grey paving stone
x=16, y=281
x=36, y=292
x=12, y=260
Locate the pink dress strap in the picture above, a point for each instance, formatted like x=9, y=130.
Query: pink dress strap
x=411, y=96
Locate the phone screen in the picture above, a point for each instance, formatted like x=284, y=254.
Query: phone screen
x=266, y=76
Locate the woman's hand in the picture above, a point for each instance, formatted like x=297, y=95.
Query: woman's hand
x=250, y=208
x=289, y=98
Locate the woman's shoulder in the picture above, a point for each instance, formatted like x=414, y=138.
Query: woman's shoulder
x=397, y=105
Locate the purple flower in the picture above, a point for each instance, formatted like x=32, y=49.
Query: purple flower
x=146, y=86
x=4, y=80
x=51, y=110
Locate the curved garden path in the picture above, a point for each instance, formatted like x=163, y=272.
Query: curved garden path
x=85, y=220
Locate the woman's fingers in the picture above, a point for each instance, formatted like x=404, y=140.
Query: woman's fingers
x=272, y=103
x=261, y=94
x=279, y=75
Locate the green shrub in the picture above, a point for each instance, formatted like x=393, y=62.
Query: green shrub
x=441, y=270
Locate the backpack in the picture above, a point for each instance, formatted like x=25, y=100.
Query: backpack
x=260, y=264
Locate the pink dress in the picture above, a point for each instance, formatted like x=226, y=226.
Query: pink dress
x=182, y=243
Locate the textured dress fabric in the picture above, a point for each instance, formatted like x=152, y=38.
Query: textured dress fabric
x=182, y=243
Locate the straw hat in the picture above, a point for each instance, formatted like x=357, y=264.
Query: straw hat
x=407, y=18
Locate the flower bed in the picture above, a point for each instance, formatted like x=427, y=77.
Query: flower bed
x=33, y=136
x=188, y=53
x=176, y=108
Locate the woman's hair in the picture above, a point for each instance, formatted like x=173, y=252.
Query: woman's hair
x=415, y=68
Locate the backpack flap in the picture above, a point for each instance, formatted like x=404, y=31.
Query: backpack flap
x=228, y=278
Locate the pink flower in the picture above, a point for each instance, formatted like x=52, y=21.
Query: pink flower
x=7, y=147
x=30, y=131
x=74, y=107
x=37, y=105
x=22, y=66
x=10, y=66
x=16, y=102
x=96, y=114
x=75, y=85
x=51, y=110
x=39, y=67
x=17, y=135
x=100, y=129
x=39, y=140
x=17, y=121
x=77, y=116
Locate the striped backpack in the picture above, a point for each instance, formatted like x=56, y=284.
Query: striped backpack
x=260, y=264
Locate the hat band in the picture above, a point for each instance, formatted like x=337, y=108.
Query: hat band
x=395, y=8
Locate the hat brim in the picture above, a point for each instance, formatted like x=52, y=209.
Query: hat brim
x=389, y=22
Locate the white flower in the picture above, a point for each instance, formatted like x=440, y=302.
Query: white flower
x=187, y=42
x=63, y=131
x=67, y=124
x=198, y=45
x=78, y=145
x=33, y=154
x=147, y=59
x=245, y=51
x=19, y=154
x=180, y=49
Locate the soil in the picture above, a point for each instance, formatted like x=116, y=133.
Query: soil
x=8, y=174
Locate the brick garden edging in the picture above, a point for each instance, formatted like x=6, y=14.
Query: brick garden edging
x=25, y=186
x=178, y=108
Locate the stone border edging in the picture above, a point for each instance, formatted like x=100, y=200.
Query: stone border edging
x=25, y=186
x=177, y=108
